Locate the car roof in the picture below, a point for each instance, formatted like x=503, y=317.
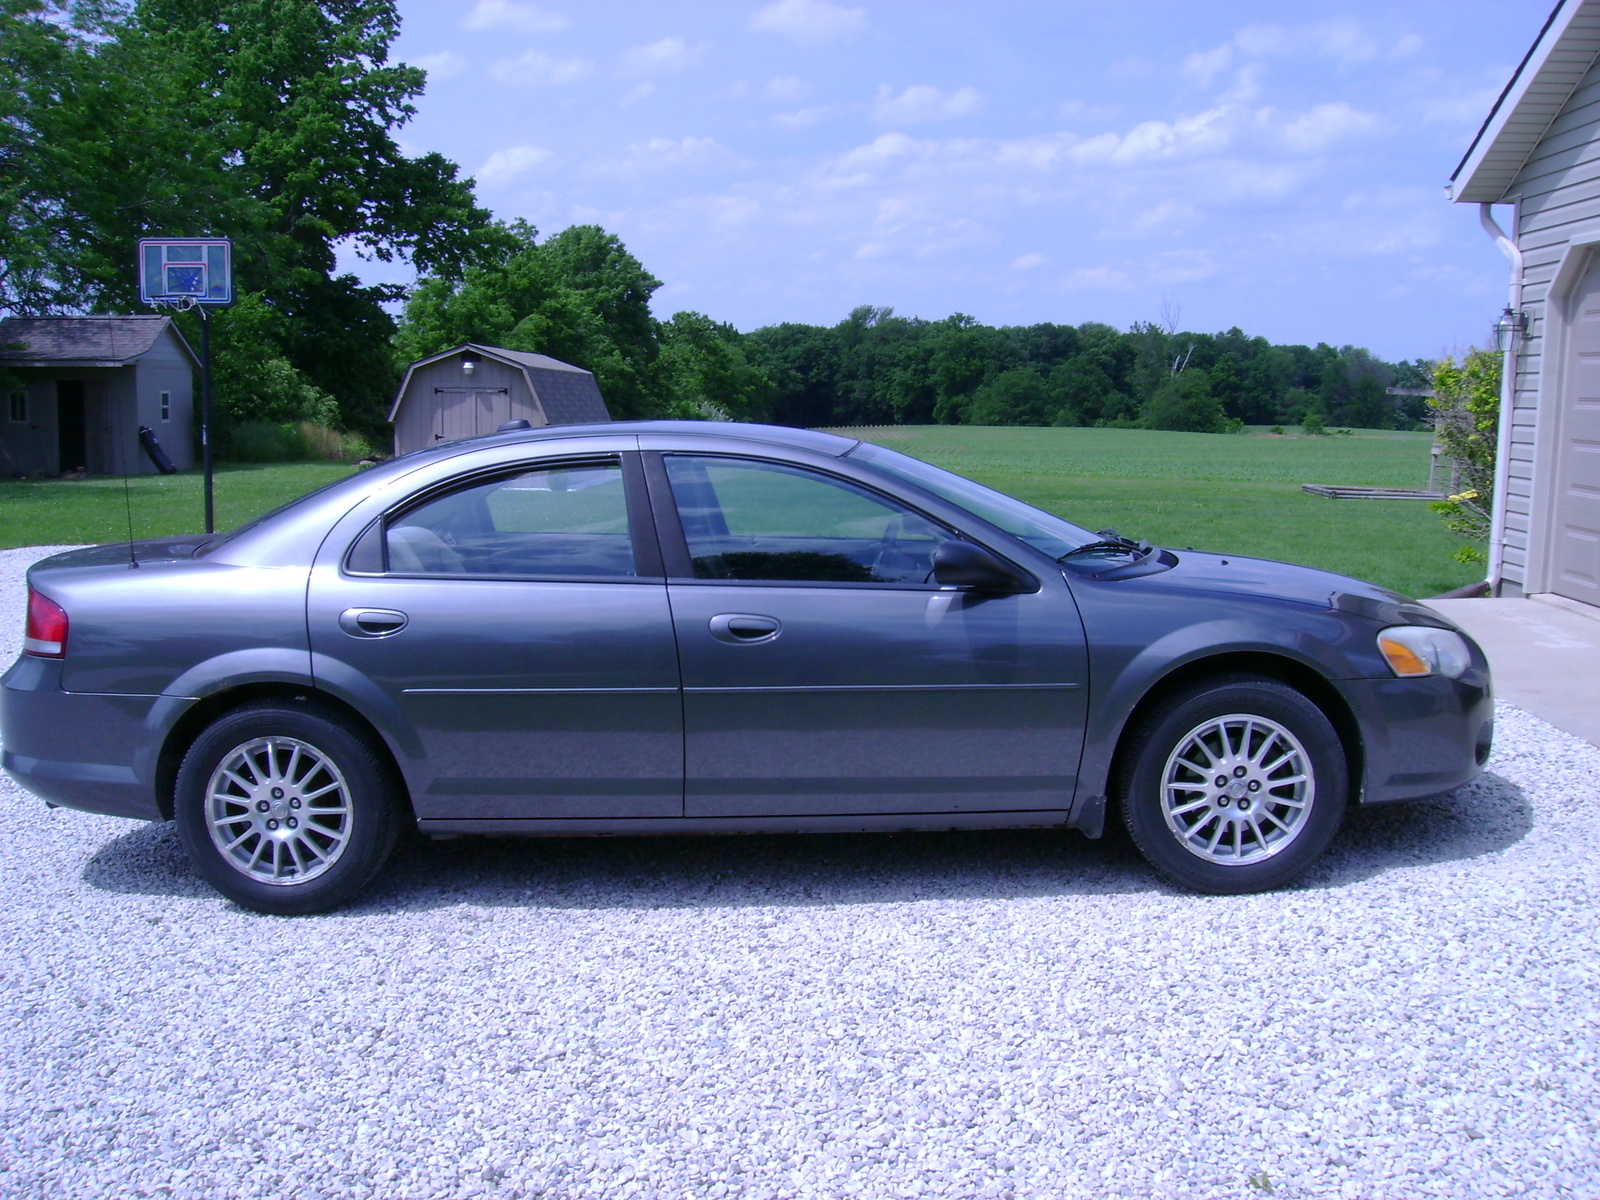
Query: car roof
x=781, y=435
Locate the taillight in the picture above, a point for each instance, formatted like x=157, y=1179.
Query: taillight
x=46, y=634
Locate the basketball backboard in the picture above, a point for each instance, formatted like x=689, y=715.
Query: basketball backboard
x=186, y=271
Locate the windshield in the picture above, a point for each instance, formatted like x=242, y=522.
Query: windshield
x=1039, y=529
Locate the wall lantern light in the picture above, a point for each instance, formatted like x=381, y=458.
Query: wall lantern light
x=470, y=364
x=1511, y=325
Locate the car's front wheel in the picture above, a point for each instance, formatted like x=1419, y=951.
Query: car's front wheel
x=285, y=809
x=1236, y=785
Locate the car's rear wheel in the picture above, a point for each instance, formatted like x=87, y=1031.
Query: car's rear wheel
x=1235, y=785
x=285, y=809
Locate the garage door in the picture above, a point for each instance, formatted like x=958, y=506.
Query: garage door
x=1577, y=494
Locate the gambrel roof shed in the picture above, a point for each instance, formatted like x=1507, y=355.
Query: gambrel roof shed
x=1539, y=151
x=472, y=389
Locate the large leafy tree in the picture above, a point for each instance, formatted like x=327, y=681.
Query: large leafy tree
x=578, y=296
x=270, y=121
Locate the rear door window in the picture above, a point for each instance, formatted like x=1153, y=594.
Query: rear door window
x=568, y=521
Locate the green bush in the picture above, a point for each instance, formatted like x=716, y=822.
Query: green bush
x=329, y=445
x=262, y=442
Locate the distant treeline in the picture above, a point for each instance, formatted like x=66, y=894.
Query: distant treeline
x=877, y=368
x=580, y=296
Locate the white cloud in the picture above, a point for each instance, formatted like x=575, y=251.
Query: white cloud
x=922, y=102
x=1201, y=67
x=1325, y=124
x=669, y=54
x=441, y=66
x=787, y=89
x=1082, y=110
x=1342, y=40
x=508, y=14
x=805, y=118
x=662, y=153
x=881, y=149
x=809, y=21
x=505, y=165
x=537, y=67
x=1096, y=279
x=1027, y=262
x=638, y=92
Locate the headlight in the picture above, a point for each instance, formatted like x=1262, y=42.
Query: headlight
x=1423, y=650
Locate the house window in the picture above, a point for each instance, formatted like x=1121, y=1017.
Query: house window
x=17, y=406
x=166, y=406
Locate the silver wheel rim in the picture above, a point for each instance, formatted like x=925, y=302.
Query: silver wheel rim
x=278, y=810
x=1237, y=790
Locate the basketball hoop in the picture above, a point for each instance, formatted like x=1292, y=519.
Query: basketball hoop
x=179, y=274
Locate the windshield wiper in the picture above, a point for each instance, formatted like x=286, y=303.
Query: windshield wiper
x=1110, y=542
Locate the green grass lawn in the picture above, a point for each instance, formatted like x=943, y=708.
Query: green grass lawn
x=54, y=512
x=1236, y=493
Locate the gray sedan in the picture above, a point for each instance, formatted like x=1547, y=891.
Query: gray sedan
x=671, y=627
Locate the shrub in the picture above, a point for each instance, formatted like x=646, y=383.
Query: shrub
x=262, y=442
x=1185, y=403
x=1466, y=405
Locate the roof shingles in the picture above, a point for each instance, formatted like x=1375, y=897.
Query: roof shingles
x=78, y=339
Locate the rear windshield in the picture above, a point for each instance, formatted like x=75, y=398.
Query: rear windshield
x=1039, y=529
x=360, y=479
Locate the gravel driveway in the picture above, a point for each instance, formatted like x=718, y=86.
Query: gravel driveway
x=1023, y=1014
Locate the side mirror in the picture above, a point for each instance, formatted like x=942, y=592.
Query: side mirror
x=964, y=565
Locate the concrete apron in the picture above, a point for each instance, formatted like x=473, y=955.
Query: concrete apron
x=1544, y=655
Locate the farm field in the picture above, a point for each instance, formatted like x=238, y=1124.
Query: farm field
x=1235, y=493
x=1238, y=493
x=58, y=512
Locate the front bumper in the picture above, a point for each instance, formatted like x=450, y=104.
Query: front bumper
x=1423, y=736
x=76, y=749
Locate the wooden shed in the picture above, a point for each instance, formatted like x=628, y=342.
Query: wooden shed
x=472, y=390
x=1539, y=152
x=78, y=388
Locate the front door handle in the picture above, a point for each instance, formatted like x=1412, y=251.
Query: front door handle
x=372, y=622
x=744, y=629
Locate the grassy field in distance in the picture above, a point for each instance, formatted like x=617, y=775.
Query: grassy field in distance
x=1237, y=493
x=58, y=512
x=1234, y=493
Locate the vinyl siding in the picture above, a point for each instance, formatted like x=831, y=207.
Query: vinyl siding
x=1557, y=190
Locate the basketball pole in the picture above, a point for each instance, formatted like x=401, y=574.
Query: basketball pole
x=205, y=413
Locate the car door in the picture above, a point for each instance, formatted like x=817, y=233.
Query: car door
x=515, y=622
x=826, y=674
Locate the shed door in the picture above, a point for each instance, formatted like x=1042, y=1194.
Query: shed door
x=1577, y=491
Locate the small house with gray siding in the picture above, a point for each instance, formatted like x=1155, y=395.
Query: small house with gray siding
x=472, y=390
x=77, y=389
x=1539, y=152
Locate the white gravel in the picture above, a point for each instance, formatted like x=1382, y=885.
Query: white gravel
x=976, y=1015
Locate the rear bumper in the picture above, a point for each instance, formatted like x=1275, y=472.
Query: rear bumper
x=1421, y=736
x=78, y=750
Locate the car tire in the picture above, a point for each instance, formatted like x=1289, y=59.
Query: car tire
x=1235, y=785
x=285, y=808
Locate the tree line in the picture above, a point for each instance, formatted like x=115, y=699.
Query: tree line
x=273, y=122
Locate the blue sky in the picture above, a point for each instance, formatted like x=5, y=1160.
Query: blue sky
x=1272, y=166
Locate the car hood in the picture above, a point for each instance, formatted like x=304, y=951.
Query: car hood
x=1232, y=574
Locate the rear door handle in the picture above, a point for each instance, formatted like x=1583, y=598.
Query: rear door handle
x=372, y=622
x=744, y=629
